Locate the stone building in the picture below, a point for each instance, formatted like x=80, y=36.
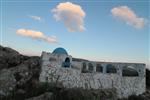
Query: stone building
x=58, y=66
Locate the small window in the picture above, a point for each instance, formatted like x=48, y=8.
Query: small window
x=111, y=69
x=90, y=67
x=84, y=70
x=99, y=68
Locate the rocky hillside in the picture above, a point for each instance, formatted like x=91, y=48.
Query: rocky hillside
x=19, y=81
x=18, y=73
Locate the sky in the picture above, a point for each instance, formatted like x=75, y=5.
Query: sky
x=97, y=30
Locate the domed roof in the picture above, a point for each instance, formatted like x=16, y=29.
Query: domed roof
x=60, y=51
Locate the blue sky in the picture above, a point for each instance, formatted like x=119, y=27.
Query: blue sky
x=106, y=37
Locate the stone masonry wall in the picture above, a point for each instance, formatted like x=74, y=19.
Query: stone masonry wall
x=73, y=77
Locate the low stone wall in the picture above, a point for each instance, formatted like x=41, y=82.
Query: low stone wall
x=71, y=78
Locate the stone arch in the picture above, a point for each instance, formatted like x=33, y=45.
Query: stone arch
x=84, y=70
x=90, y=67
x=129, y=71
x=111, y=68
x=66, y=63
x=99, y=68
x=67, y=59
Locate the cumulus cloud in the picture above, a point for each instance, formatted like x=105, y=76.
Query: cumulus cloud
x=37, y=18
x=72, y=15
x=36, y=35
x=129, y=16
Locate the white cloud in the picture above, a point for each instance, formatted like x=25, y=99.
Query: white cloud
x=36, y=35
x=72, y=15
x=129, y=16
x=37, y=18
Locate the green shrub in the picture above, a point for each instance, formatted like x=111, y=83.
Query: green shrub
x=83, y=94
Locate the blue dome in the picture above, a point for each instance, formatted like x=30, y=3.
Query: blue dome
x=60, y=51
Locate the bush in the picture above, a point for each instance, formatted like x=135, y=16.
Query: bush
x=30, y=89
x=82, y=94
x=61, y=93
x=134, y=97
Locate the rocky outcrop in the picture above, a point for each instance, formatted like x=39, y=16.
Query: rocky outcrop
x=10, y=58
x=7, y=82
x=16, y=71
x=19, y=75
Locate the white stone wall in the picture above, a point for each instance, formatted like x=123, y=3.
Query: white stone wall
x=72, y=77
x=132, y=85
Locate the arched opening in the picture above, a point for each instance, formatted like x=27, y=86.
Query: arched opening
x=66, y=63
x=90, y=67
x=67, y=60
x=129, y=71
x=84, y=70
x=111, y=69
x=99, y=68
